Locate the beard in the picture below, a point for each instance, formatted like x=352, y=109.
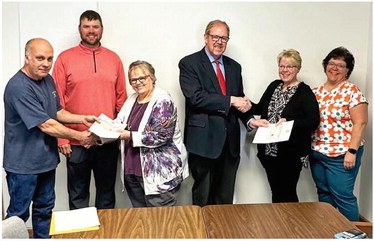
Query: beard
x=91, y=42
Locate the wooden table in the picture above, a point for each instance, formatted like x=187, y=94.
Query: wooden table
x=280, y=220
x=156, y=223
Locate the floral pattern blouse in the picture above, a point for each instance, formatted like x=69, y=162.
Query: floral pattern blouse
x=333, y=135
x=278, y=102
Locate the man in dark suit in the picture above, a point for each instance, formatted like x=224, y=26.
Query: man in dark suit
x=214, y=102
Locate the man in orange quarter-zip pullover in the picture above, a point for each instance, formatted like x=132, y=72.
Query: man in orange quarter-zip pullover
x=90, y=79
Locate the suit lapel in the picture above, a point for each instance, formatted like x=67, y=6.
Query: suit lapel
x=208, y=68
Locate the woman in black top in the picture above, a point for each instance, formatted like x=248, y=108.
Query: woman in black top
x=287, y=99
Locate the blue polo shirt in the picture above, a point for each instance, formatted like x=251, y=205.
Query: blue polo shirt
x=28, y=103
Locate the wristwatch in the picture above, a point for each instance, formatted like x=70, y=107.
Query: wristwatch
x=351, y=150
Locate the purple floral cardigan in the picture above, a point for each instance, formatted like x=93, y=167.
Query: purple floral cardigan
x=163, y=155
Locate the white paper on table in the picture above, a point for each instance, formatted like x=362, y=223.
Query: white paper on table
x=76, y=219
x=107, y=128
x=274, y=133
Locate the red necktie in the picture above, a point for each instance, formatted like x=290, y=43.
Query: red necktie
x=221, y=79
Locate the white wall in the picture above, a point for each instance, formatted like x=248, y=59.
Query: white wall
x=163, y=33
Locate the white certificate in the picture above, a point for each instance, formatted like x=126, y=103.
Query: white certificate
x=107, y=129
x=274, y=133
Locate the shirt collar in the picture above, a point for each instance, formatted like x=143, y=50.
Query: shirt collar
x=89, y=49
x=212, y=59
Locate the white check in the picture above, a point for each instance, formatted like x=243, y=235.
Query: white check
x=274, y=133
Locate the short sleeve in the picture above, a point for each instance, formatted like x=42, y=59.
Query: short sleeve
x=30, y=110
x=357, y=97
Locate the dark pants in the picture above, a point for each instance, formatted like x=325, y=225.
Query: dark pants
x=214, y=178
x=283, y=175
x=38, y=188
x=102, y=160
x=135, y=190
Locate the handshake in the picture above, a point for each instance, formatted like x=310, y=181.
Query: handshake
x=88, y=139
x=242, y=104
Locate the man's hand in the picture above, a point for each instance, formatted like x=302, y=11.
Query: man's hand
x=242, y=104
x=87, y=140
x=88, y=120
x=248, y=103
x=65, y=149
x=258, y=123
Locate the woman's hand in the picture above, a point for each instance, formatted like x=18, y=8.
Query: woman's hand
x=281, y=121
x=125, y=135
x=349, y=161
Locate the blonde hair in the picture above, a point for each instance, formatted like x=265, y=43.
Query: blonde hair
x=292, y=56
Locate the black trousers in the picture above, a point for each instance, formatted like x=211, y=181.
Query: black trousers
x=135, y=190
x=283, y=174
x=214, y=178
x=102, y=160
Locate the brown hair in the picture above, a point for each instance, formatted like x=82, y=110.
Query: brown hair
x=143, y=65
x=214, y=22
x=90, y=15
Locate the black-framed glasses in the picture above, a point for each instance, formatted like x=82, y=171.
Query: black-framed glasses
x=216, y=38
x=141, y=79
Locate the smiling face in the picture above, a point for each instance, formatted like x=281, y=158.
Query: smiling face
x=287, y=71
x=141, y=81
x=216, y=48
x=91, y=32
x=336, y=70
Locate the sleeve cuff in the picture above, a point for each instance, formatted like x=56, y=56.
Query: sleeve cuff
x=249, y=128
x=136, y=138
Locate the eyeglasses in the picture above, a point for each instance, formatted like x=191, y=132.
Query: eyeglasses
x=216, y=38
x=141, y=79
x=339, y=66
x=288, y=67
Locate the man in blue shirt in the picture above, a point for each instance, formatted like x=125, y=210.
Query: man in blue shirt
x=32, y=122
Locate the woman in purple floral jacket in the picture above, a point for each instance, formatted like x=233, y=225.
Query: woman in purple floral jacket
x=153, y=155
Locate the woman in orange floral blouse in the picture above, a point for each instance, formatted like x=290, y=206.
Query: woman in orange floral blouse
x=337, y=144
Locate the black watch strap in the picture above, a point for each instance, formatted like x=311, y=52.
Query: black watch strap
x=353, y=151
